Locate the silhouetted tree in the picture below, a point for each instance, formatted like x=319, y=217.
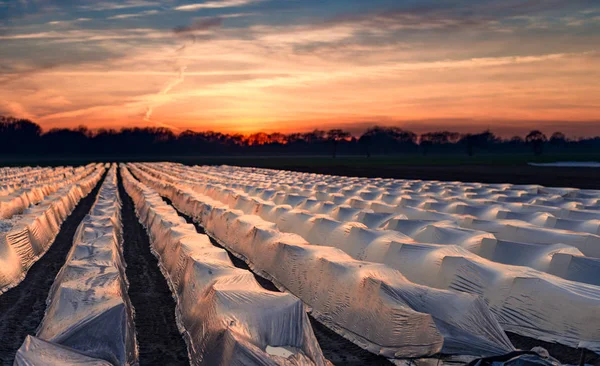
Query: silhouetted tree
x=516, y=140
x=316, y=136
x=537, y=140
x=441, y=137
x=21, y=136
x=365, y=142
x=430, y=139
x=335, y=136
x=558, y=139
x=479, y=140
x=18, y=135
x=388, y=139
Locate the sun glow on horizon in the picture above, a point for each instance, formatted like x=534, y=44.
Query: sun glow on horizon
x=249, y=69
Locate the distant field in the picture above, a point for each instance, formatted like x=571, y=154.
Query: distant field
x=488, y=168
x=291, y=161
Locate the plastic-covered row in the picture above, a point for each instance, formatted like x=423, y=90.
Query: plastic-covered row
x=25, y=195
x=27, y=237
x=524, y=300
x=370, y=304
x=89, y=317
x=19, y=175
x=523, y=236
x=530, y=214
x=227, y=317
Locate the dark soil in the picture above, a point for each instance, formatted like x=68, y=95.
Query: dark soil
x=341, y=351
x=159, y=340
x=22, y=307
x=562, y=353
x=335, y=348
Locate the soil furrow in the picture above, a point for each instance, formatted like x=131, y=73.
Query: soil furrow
x=159, y=340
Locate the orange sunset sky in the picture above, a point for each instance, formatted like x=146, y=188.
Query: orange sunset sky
x=295, y=65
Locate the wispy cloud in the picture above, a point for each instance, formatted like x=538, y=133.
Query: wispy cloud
x=101, y=6
x=216, y=4
x=200, y=25
x=159, y=98
x=81, y=35
x=300, y=64
x=69, y=22
x=134, y=15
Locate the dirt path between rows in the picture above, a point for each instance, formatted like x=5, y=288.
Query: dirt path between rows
x=336, y=348
x=22, y=308
x=159, y=340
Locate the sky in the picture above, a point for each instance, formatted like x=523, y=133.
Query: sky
x=295, y=65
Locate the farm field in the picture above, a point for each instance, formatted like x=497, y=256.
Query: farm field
x=163, y=263
x=488, y=168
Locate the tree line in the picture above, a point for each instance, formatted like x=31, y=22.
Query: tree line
x=24, y=137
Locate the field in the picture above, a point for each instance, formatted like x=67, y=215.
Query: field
x=164, y=263
x=490, y=168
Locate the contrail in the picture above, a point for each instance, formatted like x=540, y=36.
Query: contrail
x=166, y=90
x=183, y=32
x=180, y=78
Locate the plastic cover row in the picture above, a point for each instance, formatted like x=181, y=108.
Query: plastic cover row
x=226, y=316
x=89, y=317
x=553, y=208
x=539, y=248
x=27, y=175
x=441, y=255
x=27, y=237
x=17, y=201
x=370, y=304
x=524, y=300
x=530, y=214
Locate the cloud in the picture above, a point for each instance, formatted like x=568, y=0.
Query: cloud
x=396, y=65
x=180, y=78
x=200, y=25
x=101, y=6
x=68, y=22
x=134, y=15
x=217, y=4
x=460, y=15
x=81, y=35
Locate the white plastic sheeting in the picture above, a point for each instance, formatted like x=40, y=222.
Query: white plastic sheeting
x=371, y=304
x=89, y=316
x=227, y=317
x=443, y=254
x=37, y=187
x=35, y=351
x=27, y=237
x=12, y=179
